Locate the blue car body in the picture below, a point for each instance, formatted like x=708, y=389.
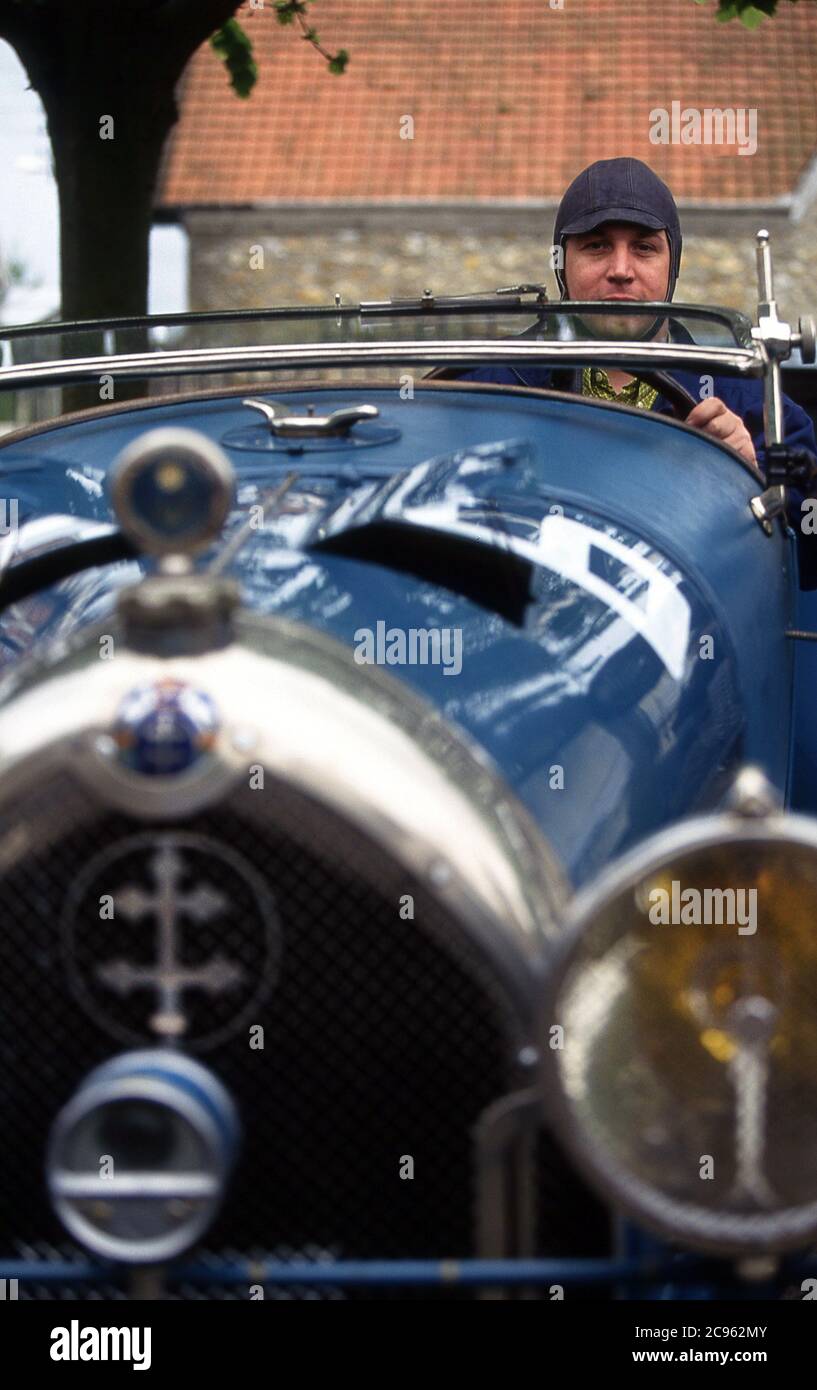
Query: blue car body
x=557, y=676
x=618, y=623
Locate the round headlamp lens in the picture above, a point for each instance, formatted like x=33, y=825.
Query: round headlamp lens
x=136, y=1134
x=140, y=1157
x=685, y=1053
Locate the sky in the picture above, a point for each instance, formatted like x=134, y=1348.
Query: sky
x=29, y=215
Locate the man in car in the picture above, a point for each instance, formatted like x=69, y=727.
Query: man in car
x=620, y=234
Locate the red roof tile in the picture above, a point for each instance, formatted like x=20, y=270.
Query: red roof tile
x=509, y=100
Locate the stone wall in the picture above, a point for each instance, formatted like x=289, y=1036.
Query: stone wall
x=251, y=258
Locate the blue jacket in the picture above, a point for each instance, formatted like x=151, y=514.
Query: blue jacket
x=744, y=397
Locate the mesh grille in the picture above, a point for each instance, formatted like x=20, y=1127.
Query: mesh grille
x=384, y=1037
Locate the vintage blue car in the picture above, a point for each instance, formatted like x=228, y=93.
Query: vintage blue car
x=406, y=794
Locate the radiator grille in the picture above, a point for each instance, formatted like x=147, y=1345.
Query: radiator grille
x=384, y=1036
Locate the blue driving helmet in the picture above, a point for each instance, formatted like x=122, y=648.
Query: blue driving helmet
x=619, y=190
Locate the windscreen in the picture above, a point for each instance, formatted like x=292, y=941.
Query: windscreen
x=507, y=319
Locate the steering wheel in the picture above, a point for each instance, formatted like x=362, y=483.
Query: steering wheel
x=679, y=398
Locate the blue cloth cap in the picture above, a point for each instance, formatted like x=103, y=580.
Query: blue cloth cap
x=619, y=190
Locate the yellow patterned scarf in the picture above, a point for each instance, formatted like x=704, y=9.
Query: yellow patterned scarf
x=595, y=382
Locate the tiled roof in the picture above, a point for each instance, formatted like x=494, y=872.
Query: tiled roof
x=509, y=99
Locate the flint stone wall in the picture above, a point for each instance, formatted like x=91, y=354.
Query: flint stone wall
x=307, y=255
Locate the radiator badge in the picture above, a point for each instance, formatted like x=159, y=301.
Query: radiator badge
x=165, y=727
x=171, y=934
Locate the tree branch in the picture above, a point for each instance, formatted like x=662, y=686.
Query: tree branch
x=336, y=61
x=16, y=22
x=21, y=25
x=188, y=23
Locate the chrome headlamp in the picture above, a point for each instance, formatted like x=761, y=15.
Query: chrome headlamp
x=139, y=1158
x=171, y=490
x=680, y=1031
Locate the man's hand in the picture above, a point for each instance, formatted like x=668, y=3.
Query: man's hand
x=713, y=418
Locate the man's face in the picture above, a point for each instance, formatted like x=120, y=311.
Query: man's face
x=618, y=260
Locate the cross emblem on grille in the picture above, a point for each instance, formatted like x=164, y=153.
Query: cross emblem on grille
x=169, y=978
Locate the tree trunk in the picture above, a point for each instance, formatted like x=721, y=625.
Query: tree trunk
x=106, y=71
x=106, y=191
x=107, y=132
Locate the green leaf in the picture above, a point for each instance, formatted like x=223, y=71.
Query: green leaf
x=337, y=64
x=234, y=48
x=749, y=12
x=752, y=17
x=286, y=10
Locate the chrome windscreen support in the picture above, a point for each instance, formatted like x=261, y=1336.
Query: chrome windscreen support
x=776, y=337
x=776, y=340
